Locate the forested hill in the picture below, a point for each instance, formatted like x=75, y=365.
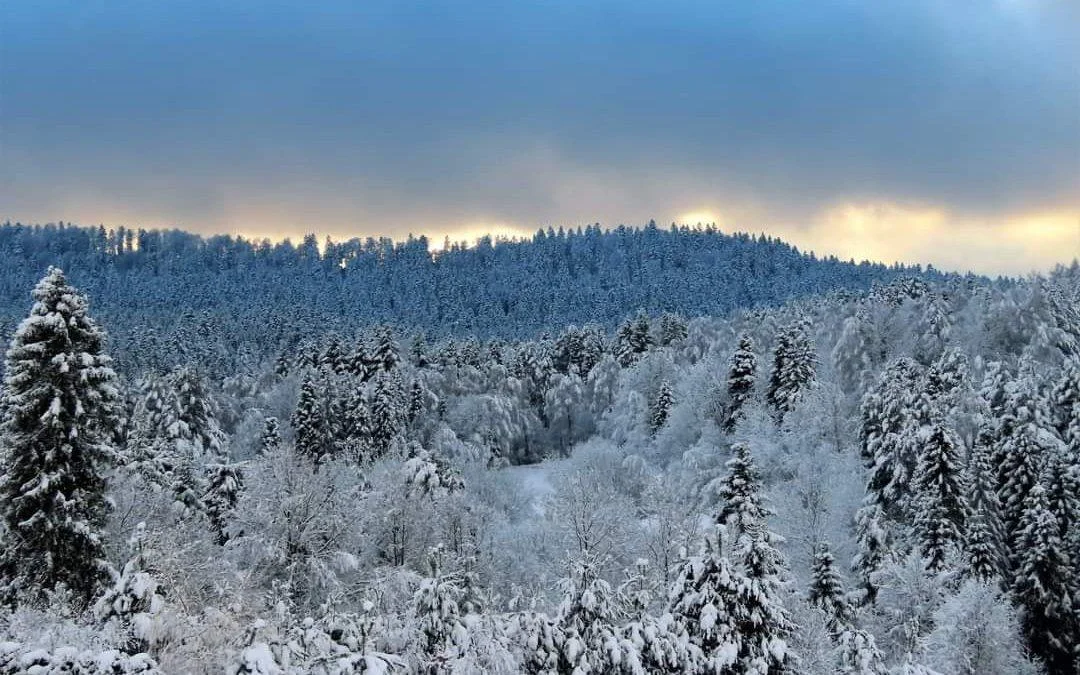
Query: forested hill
x=171, y=279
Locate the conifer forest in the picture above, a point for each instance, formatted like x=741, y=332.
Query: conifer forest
x=639, y=450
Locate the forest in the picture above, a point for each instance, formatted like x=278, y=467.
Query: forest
x=630, y=451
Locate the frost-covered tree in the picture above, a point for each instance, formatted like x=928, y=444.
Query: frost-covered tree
x=58, y=421
x=225, y=482
x=940, y=490
x=794, y=368
x=827, y=590
x=982, y=533
x=742, y=374
x=136, y=601
x=661, y=407
x=442, y=629
x=632, y=340
x=1043, y=585
x=387, y=413
x=384, y=353
x=270, y=439
x=588, y=627
x=311, y=422
x=976, y=632
x=672, y=329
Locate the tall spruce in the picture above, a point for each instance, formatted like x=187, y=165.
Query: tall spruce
x=794, y=368
x=59, y=419
x=742, y=374
x=311, y=423
x=661, y=407
x=1042, y=586
x=939, y=488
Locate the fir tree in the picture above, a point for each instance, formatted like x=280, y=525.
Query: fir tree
x=385, y=356
x=983, y=543
x=742, y=374
x=136, y=600
x=741, y=510
x=226, y=482
x=827, y=590
x=794, y=367
x=672, y=329
x=1042, y=586
x=661, y=407
x=310, y=421
x=58, y=422
x=939, y=520
x=441, y=622
x=386, y=414
x=270, y=440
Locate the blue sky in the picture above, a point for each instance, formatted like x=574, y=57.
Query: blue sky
x=933, y=131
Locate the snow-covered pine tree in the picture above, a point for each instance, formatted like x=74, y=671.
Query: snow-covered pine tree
x=741, y=510
x=672, y=329
x=762, y=622
x=386, y=415
x=827, y=590
x=384, y=354
x=311, y=423
x=1042, y=586
x=1066, y=401
x=225, y=482
x=588, y=625
x=887, y=440
x=59, y=418
x=442, y=629
x=661, y=407
x=742, y=374
x=794, y=368
x=1024, y=446
x=270, y=440
x=135, y=601
x=983, y=544
x=940, y=490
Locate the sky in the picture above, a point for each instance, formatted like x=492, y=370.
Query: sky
x=930, y=131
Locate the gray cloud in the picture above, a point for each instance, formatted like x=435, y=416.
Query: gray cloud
x=373, y=117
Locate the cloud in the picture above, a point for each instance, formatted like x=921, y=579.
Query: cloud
x=389, y=117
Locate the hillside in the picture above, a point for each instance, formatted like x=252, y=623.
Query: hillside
x=250, y=299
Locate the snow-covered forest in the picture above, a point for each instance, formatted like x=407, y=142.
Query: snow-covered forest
x=644, y=451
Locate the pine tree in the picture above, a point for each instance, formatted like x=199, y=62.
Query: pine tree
x=1066, y=402
x=386, y=414
x=983, y=543
x=827, y=590
x=136, y=600
x=310, y=420
x=742, y=374
x=1042, y=586
x=270, y=440
x=762, y=622
x=443, y=632
x=939, y=520
x=706, y=608
x=1024, y=447
x=741, y=510
x=794, y=369
x=661, y=407
x=672, y=329
x=385, y=353
x=225, y=484
x=59, y=406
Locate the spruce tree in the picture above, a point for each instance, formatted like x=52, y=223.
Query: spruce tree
x=270, y=440
x=386, y=413
x=827, y=590
x=794, y=369
x=740, y=383
x=58, y=422
x=224, y=486
x=136, y=600
x=939, y=488
x=661, y=407
x=385, y=355
x=1042, y=586
x=311, y=423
